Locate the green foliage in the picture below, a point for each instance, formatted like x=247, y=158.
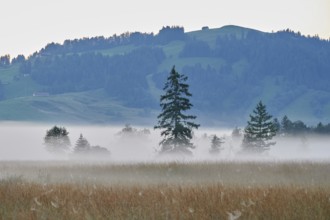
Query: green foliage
x=57, y=140
x=259, y=131
x=175, y=125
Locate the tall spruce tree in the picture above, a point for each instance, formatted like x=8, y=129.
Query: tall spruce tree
x=175, y=125
x=259, y=131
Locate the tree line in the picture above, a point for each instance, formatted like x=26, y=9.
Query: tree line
x=122, y=76
x=177, y=126
x=57, y=141
x=288, y=127
x=165, y=35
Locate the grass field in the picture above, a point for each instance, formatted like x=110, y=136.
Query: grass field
x=223, y=190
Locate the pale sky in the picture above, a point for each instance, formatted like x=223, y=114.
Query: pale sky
x=28, y=25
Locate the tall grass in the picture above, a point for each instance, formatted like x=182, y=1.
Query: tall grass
x=164, y=191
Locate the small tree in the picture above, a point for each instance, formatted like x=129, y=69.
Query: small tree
x=175, y=125
x=57, y=140
x=259, y=131
x=82, y=145
x=216, y=143
x=85, y=150
x=130, y=132
x=236, y=133
x=286, y=126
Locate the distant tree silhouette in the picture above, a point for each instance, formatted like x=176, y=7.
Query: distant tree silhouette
x=85, y=150
x=57, y=140
x=5, y=60
x=82, y=145
x=236, y=133
x=130, y=132
x=18, y=59
x=216, y=143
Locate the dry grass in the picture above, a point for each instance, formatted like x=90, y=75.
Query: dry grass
x=165, y=191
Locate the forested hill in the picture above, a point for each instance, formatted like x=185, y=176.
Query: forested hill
x=119, y=78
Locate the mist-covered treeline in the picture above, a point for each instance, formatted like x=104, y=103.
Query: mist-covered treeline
x=288, y=127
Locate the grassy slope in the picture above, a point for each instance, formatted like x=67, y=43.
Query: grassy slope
x=20, y=105
x=84, y=107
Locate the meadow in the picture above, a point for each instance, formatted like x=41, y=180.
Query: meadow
x=167, y=190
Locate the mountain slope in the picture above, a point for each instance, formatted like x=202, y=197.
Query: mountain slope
x=121, y=77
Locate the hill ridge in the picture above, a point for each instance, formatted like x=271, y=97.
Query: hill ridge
x=229, y=68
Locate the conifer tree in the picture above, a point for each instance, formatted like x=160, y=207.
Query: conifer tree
x=84, y=150
x=82, y=145
x=286, y=126
x=259, y=131
x=176, y=126
x=216, y=143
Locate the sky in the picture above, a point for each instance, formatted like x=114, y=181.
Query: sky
x=28, y=26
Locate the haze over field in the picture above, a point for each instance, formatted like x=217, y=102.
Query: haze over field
x=25, y=142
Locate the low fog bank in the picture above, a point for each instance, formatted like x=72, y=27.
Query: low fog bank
x=24, y=141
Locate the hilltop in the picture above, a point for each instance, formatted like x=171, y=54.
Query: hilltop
x=118, y=79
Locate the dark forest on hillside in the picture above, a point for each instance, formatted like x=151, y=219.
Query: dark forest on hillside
x=286, y=63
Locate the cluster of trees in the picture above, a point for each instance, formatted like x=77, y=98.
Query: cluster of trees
x=5, y=61
x=129, y=132
x=57, y=141
x=177, y=127
x=294, y=63
x=74, y=73
x=165, y=35
x=83, y=148
x=291, y=128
